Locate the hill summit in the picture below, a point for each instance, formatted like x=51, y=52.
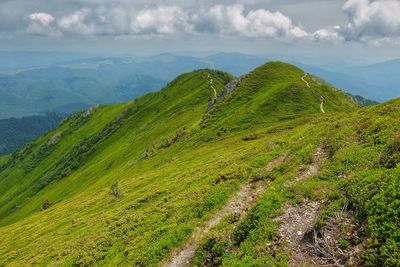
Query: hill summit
x=212, y=170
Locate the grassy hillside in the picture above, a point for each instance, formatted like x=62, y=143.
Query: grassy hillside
x=275, y=92
x=128, y=184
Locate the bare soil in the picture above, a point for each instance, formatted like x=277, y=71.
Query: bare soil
x=312, y=169
x=296, y=221
x=239, y=204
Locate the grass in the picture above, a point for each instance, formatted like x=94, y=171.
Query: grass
x=129, y=183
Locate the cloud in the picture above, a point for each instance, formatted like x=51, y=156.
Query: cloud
x=225, y=20
x=330, y=34
x=369, y=21
x=43, y=19
x=77, y=22
x=41, y=23
x=259, y=23
x=372, y=21
x=161, y=20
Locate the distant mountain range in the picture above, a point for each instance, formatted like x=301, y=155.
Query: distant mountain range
x=72, y=86
x=69, y=82
x=15, y=132
x=379, y=82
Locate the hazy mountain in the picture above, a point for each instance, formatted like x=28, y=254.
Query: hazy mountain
x=80, y=83
x=22, y=59
x=16, y=132
x=378, y=82
x=75, y=85
x=71, y=88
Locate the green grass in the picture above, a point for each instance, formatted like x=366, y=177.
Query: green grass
x=176, y=165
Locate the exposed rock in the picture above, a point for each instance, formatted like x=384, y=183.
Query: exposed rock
x=90, y=110
x=55, y=138
x=230, y=87
x=295, y=222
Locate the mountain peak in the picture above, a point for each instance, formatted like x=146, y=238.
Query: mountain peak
x=277, y=91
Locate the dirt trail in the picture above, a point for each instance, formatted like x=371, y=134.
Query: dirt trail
x=212, y=86
x=297, y=220
x=238, y=204
x=311, y=169
x=303, y=79
x=321, y=105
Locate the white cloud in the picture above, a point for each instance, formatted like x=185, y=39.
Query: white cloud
x=259, y=23
x=328, y=35
x=77, y=23
x=161, y=20
x=41, y=23
x=43, y=19
x=371, y=21
x=170, y=20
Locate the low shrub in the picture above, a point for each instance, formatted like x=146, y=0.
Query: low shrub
x=115, y=190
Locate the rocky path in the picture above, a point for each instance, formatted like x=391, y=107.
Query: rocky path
x=321, y=105
x=238, y=204
x=297, y=220
x=212, y=86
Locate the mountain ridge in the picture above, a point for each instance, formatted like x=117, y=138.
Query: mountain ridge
x=128, y=184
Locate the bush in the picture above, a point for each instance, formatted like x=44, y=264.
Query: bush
x=375, y=195
x=115, y=190
x=391, y=155
x=211, y=252
x=46, y=204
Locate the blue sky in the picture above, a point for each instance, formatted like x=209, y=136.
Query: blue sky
x=350, y=29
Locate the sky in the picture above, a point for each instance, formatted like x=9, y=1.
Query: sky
x=358, y=30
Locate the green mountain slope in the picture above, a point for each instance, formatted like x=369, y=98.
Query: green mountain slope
x=277, y=91
x=128, y=184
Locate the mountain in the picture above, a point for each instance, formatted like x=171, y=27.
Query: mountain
x=70, y=88
x=214, y=170
x=71, y=85
x=25, y=59
x=16, y=132
x=382, y=78
x=379, y=82
x=362, y=101
x=78, y=83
